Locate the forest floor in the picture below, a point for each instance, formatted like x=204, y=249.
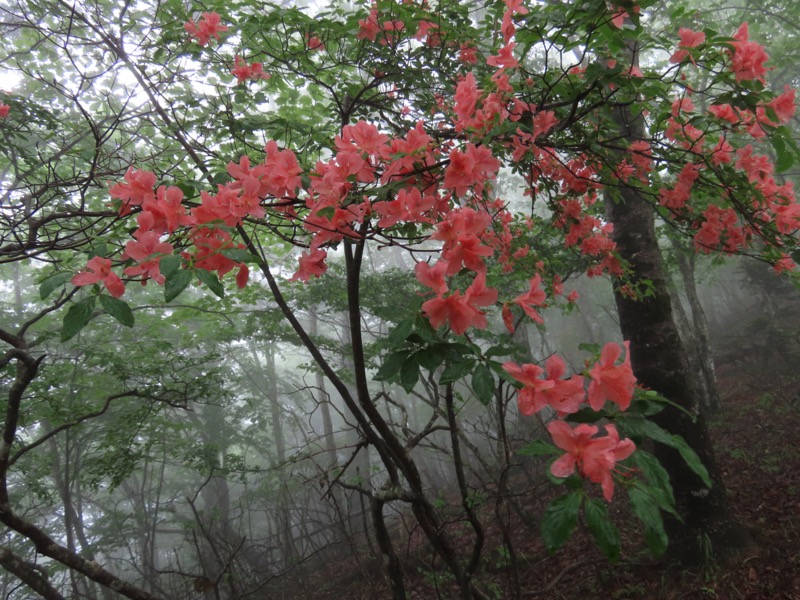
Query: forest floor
x=756, y=442
x=758, y=448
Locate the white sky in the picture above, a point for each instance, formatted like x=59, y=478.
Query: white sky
x=8, y=80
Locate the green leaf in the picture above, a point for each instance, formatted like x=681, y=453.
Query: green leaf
x=455, y=371
x=430, y=358
x=483, y=383
x=326, y=213
x=692, y=460
x=77, y=317
x=645, y=407
x=538, y=448
x=456, y=352
x=401, y=332
x=99, y=248
x=49, y=285
x=656, y=474
x=391, y=365
x=559, y=520
x=424, y=329
x=212, y=281
x=240, y=255
x=118, y=309
x=604, y=532
x=647, y=511
x=784, y=159
x=176, y=283
x=587, y=415
x=664, y=502
x=638, y=427
x=409, y=374
x=499, y=351
x=168, y=265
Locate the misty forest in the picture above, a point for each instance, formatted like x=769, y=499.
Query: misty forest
x=475, y=299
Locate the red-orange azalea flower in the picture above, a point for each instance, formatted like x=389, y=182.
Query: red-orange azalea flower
x=594, y=458
x=610, y=381
x=563, y=395
x=207, y=27
x=98, y=269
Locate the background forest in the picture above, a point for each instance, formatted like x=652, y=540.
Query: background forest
x=316, y=433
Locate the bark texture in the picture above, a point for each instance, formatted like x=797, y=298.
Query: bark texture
x=660, y=362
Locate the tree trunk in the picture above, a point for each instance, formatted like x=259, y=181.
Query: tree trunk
x=660, y=363
x=323, y=400
x=694, y=355
x=686, y=264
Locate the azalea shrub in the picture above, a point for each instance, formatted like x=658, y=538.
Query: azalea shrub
x=525, y=90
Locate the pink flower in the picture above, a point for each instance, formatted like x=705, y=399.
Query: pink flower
x=282, y=171
x=689, y=39
x=314, y=43
x=432, y=277
x=4, y=110
x=468, y=53
x=724, y=112
x=311, y=264
x=515, y=6
x=533, y=297
x=461, y=312
x=146, y=245
x=429, y=32
x=243, y=71
x=466, y=97
x=757, y=166
x=361, y=136
x=207, y=27
x=642, y=158
x=505, y=57
x=242, y=276
x=563, y=395
x=98, y=269
x=785, y=263
x=470, y=169
x=147, y=250
x=209, y=242
x=594, y=458
x=747, y=58
x=454, y=310
x=137, y=189
x=368, y=29
x=610, y=381
x=165, y=213
x=480, y=295
x=784, y=105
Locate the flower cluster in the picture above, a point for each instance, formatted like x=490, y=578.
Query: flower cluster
x=724, y=145
x=209, y=25
x=594, y=458
x=609, y=381
x=242, y=71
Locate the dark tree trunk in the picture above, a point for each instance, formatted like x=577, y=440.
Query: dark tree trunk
x=660, y=363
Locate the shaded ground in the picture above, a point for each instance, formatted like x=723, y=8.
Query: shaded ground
x=758, y=447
